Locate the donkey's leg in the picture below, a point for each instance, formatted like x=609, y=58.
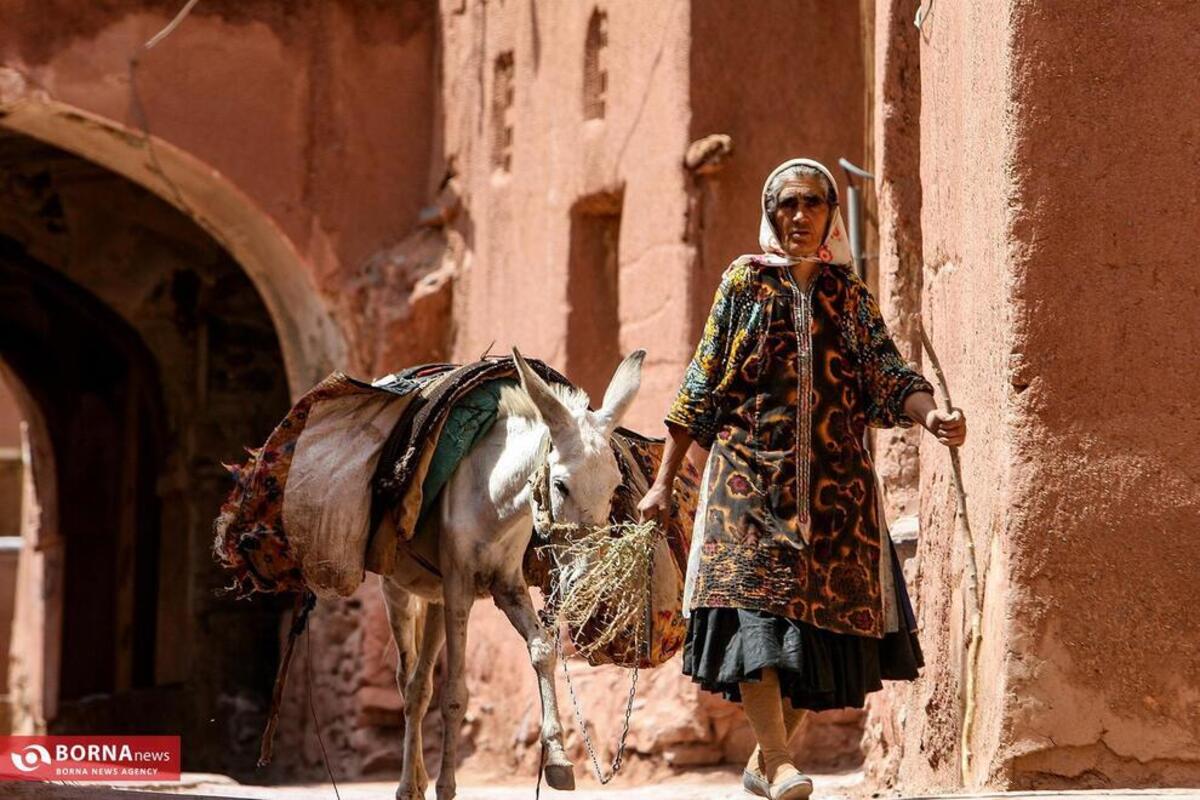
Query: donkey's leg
x=417, y=692
x=513, y=599
x=458, y=593
x=402, y=618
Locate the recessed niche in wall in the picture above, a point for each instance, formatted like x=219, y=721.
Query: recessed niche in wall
x=503, y=90
x=595, y=75
x=593, y=289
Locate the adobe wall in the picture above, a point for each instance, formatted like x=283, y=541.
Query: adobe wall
x=1105, y=339
x=286, y=134
x=898, y=266
x=751, y=81
x=1057, y=303
x=285, y=105
x=518, y=221
x=898, y=270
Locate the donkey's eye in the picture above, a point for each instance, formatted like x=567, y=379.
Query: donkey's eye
x=561, y=486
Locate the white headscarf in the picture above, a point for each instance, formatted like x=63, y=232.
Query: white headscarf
x=835, y=249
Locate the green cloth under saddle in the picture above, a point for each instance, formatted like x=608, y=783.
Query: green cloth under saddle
x=466, y=423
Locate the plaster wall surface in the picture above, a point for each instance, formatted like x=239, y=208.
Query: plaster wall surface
x=1058, y=307
x=899, y=270
x=517, y=221
x=898, y=267
x=282, y=100
x=968, y=188
x=1103, y=541
x=750, y=81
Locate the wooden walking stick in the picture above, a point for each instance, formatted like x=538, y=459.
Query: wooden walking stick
x=974, y=598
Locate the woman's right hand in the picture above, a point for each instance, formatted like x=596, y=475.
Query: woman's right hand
x=655, y=504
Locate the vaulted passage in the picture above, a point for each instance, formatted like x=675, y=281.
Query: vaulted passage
x=148, y=359
x=97, y=387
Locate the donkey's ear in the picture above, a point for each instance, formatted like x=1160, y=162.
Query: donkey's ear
x=556, y=415
x=621, y=390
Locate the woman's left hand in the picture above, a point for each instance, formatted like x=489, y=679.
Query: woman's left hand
x=950, y=427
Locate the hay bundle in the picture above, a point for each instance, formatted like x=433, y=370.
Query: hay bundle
x=603, y=586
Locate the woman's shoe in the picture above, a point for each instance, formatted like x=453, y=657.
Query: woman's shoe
x=793, y=787
x=754, y=783
x=796, y=786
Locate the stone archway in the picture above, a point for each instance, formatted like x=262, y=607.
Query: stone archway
x=138, y=337
x=311, y=341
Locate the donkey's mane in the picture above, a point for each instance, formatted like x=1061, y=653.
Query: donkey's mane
x=516, y=402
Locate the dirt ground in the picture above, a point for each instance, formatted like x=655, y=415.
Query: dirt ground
x=697, y=785
x=708, y=784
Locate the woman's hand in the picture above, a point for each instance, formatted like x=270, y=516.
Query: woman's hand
x=655, y=504
x=950, y=427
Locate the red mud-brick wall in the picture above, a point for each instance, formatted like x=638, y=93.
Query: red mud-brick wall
x=519, y=68
x=323, y=116
x=967, y=188
x=1106, y=145
x=898, y=269
x=783, y=80
x=1063, y=313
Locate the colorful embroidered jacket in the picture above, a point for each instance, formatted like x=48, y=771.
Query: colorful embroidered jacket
x=791, y=525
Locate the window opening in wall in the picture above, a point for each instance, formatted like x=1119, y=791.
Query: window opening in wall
x=503, y=91
x=595, y=75
x=593, y=292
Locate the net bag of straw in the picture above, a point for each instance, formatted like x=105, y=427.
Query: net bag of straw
x=621, y=599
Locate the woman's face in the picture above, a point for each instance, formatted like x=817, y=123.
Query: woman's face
x=801, y=214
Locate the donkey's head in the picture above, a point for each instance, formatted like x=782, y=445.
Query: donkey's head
x=583, y=469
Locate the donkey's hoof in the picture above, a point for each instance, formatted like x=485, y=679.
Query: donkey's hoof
x=560, y=777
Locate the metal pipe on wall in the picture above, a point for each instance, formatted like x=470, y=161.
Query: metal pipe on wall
x=854, y=210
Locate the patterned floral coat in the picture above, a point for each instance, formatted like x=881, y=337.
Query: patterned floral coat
x=791, y=522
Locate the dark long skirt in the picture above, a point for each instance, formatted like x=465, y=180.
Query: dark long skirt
x=818, y=669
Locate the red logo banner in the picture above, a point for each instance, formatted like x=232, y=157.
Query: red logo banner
x=89, y=758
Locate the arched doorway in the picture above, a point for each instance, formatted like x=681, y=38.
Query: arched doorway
x=96, y=386
x=150, y=357
x=311, y=342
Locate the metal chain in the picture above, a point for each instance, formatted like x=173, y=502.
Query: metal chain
x=544, y=523
x=639, y=638
x=587, y=739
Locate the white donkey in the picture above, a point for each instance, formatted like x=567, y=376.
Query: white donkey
x=485, y=525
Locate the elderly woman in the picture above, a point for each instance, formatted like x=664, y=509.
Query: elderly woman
x=795, y=596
